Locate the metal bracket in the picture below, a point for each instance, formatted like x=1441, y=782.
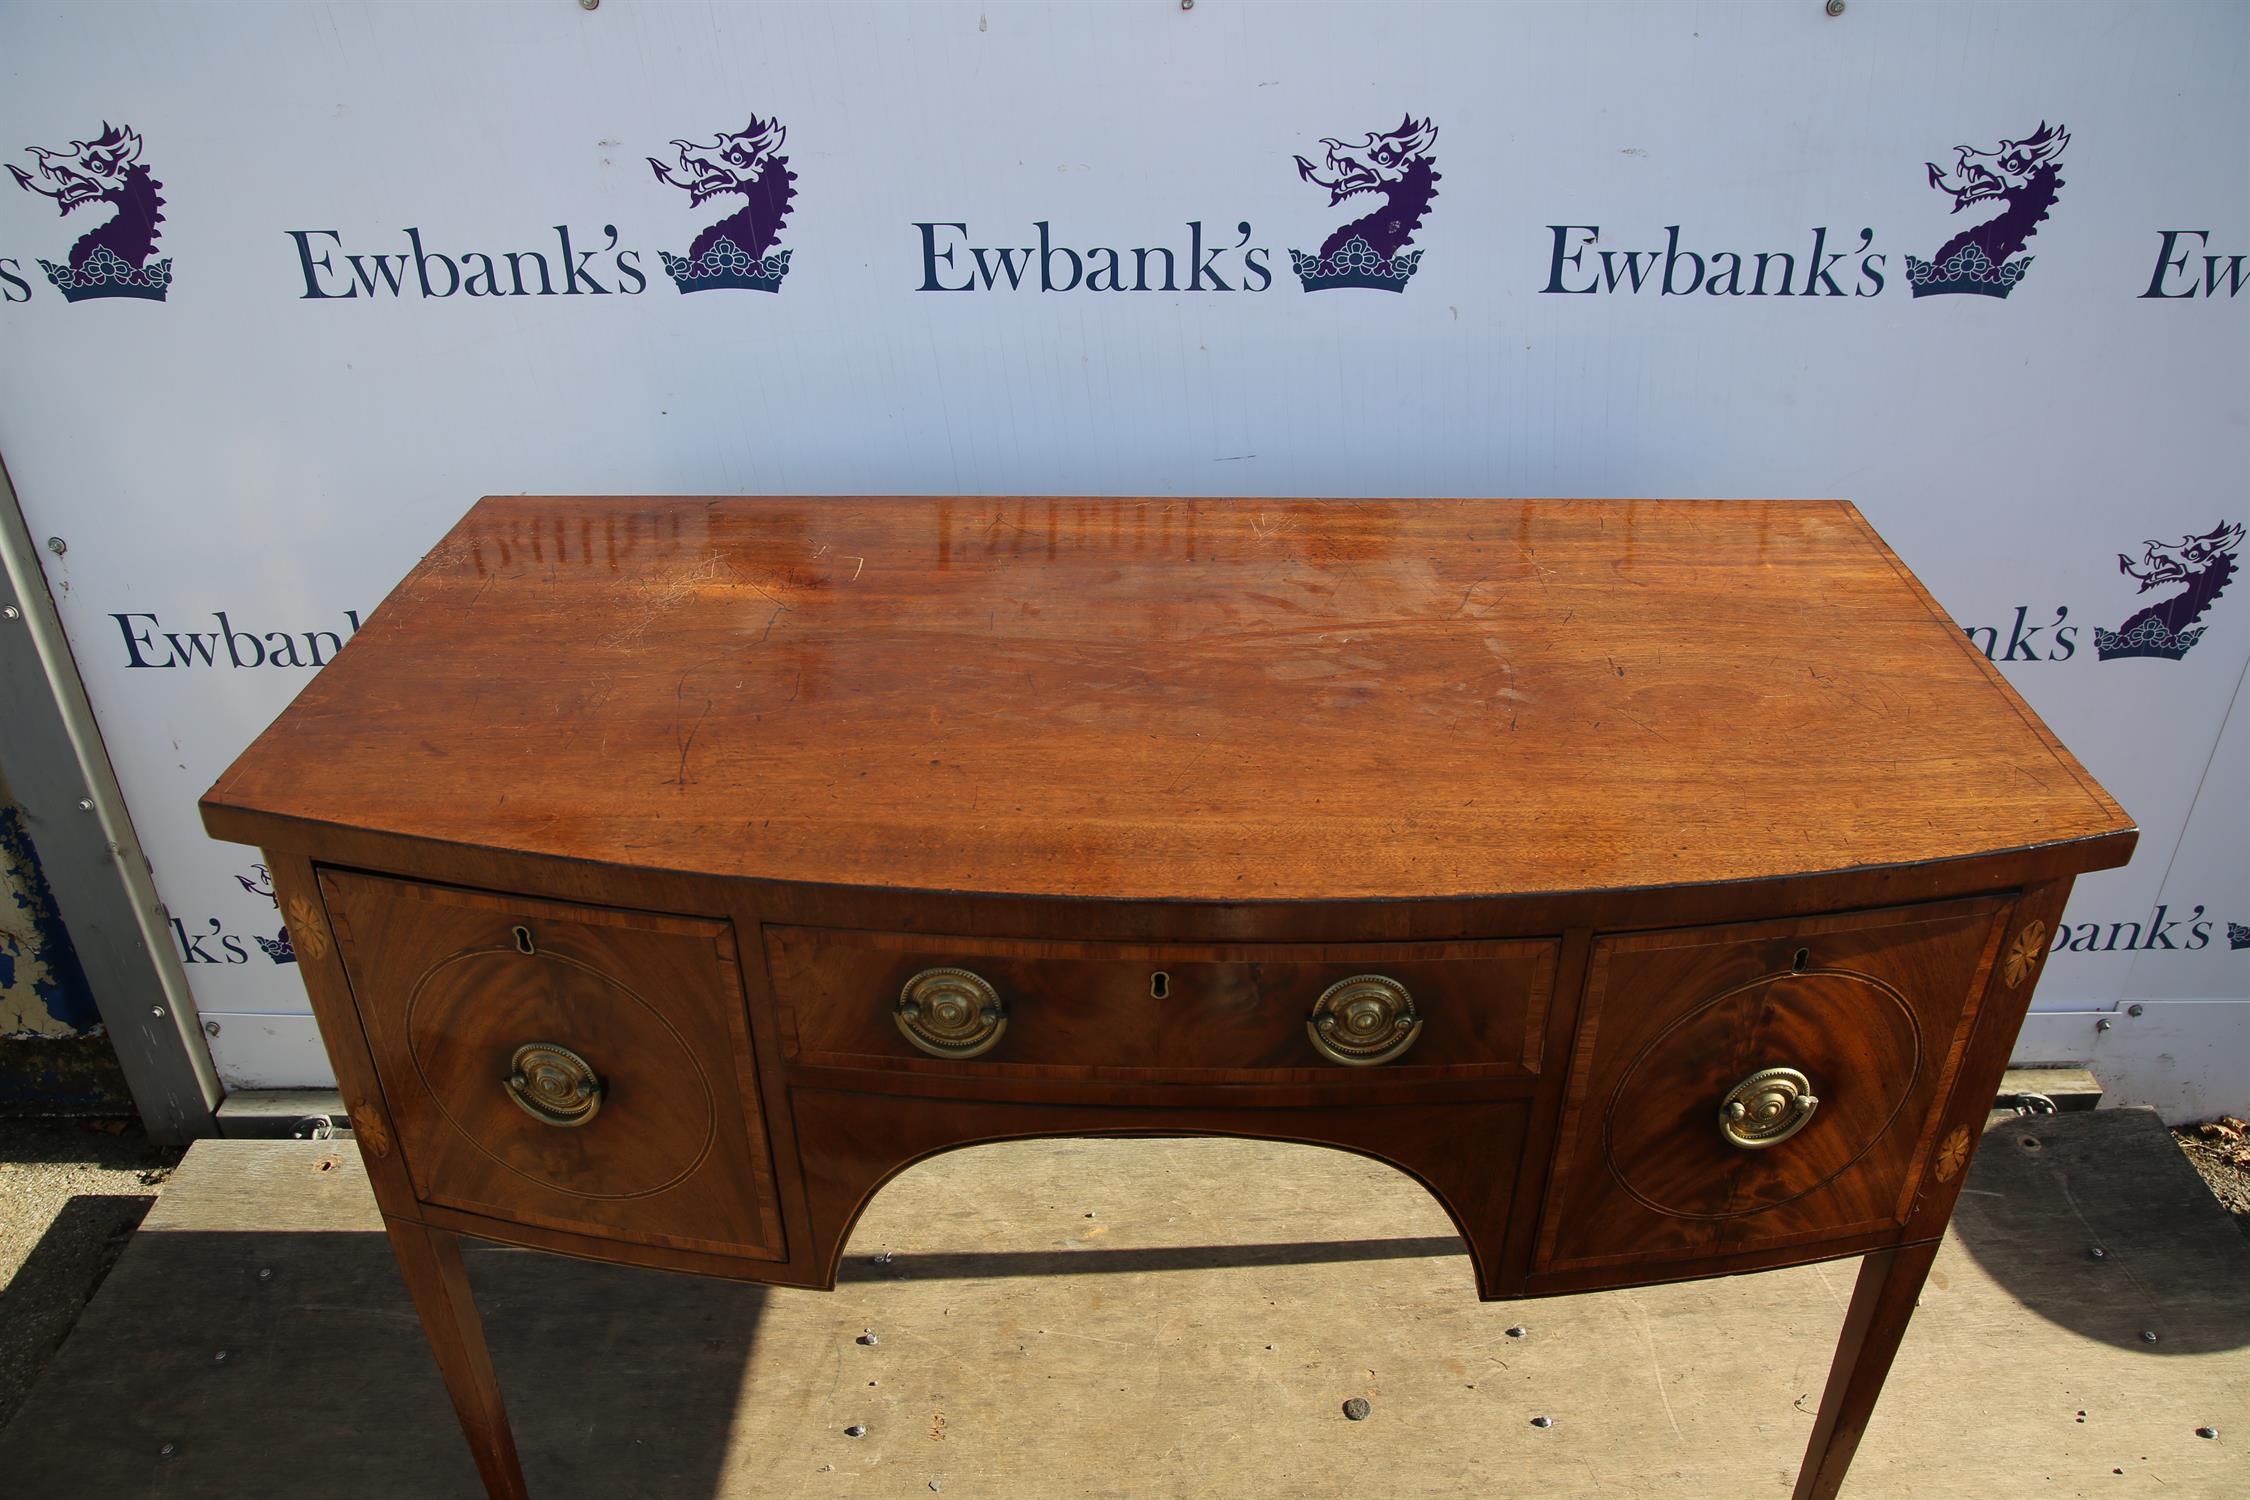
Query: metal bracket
x=61, y=776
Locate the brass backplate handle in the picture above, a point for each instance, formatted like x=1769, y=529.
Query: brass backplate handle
x=553, y=1084
x=1766, y=1108
x=1364, y=1020
x=950, y=1013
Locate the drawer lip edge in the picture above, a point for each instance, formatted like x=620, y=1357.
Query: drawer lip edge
x=530, y=1232
x=1344, y=950
x=608, y=913
x=1332, y=1090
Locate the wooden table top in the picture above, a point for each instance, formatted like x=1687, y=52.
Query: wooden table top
x=1203, y=700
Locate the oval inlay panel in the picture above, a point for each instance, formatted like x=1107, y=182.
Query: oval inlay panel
x=1851, y=1035
x=469, y=1013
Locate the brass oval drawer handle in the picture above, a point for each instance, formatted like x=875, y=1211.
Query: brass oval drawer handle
x=950, y=1013
x=1766, y=1108
x=1364, y=1020
x=553, y=1084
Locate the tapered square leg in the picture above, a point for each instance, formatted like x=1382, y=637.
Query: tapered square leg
x=1882, y=1302
x=431, y=1261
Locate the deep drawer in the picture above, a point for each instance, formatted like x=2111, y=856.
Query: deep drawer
x=1189, y=1013
x=1836, y=1036
x=575, y=1067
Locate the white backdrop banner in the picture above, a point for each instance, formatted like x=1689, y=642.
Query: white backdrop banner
x=284, y=288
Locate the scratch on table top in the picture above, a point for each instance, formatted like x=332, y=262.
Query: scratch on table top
x=1263, y=532
x=687, y=742
x=663, y=594
x=1646, y=725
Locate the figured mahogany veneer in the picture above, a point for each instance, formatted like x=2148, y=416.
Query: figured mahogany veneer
x=1164, y=1011
x=676, y=1152
x=1868, y=1007
x=612, y=845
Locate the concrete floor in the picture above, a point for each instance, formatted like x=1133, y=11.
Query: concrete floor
x=71, y=1194
x=1157, y=1318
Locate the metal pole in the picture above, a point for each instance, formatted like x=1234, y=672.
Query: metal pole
x=51, y=750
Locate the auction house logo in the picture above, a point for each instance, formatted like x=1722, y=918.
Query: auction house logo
x=2174, y=276
x=278, y=947
x=113, y=258
x=213, y=944
x=2159, y=932
x=2199, y=567
x=1372, y=250
x=2196, y=569
x=2022, y=179
x=738, y=251
x=2019, y=178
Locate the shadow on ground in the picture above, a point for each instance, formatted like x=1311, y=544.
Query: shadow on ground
x=71, y=1194
x=317, y=1324
x=2047, y=1191
x=602, y=1401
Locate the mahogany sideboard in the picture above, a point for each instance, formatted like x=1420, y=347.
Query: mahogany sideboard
x=1661, y=884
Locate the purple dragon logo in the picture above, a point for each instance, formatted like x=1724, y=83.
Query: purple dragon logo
x=2168, y=628
x=1371, y=251
x=278, y=947
x=738, y=251
x=2022, y=177
x=111, y=259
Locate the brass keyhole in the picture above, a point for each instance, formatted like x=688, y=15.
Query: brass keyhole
x=1159, y=985
x=523, y=939
x=1803, y=960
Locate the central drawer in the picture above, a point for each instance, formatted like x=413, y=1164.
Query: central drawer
x=1188, y=1012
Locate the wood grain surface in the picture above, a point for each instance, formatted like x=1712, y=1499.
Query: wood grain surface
x=676, y=1153
x=692, y=788
x=1183, y=1014
x=1867, y=1007
x=1171, y=700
